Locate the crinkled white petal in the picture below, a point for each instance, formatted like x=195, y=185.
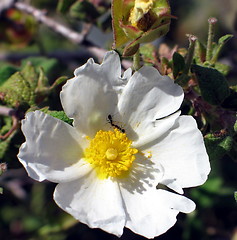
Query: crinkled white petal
x=111, y=67
x=94, y=202
x=89, y=97
x=53, y=149
x=147, y=97
x=143, y=175
x=182, y=154
x=153, y=212
x=150, y=131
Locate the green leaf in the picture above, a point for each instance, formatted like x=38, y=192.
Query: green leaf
x=21, y=88
x=223, y=68
x=178, y=64
x=235, y=125
x=58, y=114
x=213, y=85
x=221, y=43
x=147, y=50
x=231, y=101
x=6, y=71
x=64, y=5
x=235, y=195
x=49, y=65
x=200, y=52
x=84, y=11
x=217, y=147
x=224, y=39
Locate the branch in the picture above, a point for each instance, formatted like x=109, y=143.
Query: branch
x=73, y=36
x=40, y=16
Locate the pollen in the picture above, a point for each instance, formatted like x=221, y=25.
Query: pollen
x=110, y=154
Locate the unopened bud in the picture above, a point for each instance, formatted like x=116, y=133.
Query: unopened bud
x=139, y=21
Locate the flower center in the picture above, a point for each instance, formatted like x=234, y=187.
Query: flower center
x=110, y=153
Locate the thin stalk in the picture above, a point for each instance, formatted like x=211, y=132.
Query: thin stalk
x=136, y=61
x=189, y=58
x=212, y=21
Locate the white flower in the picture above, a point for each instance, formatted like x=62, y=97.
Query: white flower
x=127, y=137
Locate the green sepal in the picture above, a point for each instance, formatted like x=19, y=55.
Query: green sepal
x=178, y=64
x=213, y=85
x=130, y=49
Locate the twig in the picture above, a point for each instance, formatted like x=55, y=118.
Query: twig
x=40, y=16
x=73, y=36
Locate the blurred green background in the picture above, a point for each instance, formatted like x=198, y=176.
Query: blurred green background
x=27, y=210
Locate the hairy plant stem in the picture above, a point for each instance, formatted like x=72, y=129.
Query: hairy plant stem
x=189, y=58
x=212, y=21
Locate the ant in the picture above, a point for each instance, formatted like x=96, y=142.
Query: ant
x=110, y=120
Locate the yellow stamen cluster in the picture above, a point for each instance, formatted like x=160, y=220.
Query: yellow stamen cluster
x=110, y=153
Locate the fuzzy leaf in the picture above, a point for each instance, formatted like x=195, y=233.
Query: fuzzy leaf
x=64, y=5
x=20, y=88
x=231, y=101
x=178, y=64
x=213, y=85
x=6, y=71
x=83, y=10
x=217, y=147
x=49, y=65
x=218, y=48
x=223, y=68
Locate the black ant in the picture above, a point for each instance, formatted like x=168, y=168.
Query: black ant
x=110, y=120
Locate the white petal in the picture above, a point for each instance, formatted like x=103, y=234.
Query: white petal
x=151, y=131
x=111, y=66
x=143, y=175
x=52, y=150
x=153, y=212
x=182, y=154
x=94, y=202
x=148, y=96
x=89, y=97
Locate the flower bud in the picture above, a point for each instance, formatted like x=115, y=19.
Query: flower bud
x=139, y=21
